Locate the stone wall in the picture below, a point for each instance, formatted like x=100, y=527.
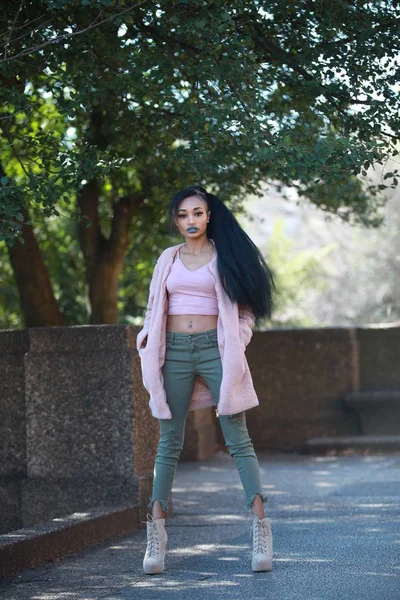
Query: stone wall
x=75, y=423
x=379, y=358
x=300, y=377
x=13, y=468
x=76, y=430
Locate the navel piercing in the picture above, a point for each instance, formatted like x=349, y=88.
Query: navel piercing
x=190, y=324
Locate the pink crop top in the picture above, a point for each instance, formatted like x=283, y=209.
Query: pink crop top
x=191, y=292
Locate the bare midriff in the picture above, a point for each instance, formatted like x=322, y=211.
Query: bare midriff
x=191, y=323
x=194, y=323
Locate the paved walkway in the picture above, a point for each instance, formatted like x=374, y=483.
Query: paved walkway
x=336, y=527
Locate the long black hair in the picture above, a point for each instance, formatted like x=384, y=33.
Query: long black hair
x=245, y=275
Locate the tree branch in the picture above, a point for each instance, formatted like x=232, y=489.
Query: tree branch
x=70, y=35
x=12, y=29
x=123, y=212
x=29, y=23
x=89, y=237
x=281, y=55
x=155, y=34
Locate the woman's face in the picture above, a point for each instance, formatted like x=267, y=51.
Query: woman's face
x=192, y=217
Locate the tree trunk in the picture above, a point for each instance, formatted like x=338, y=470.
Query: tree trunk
x=38, y=305
x=104, y=257
x=103, y=292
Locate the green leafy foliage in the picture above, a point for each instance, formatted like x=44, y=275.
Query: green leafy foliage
x=150, y=97
x=233, y=94
x=299, y=275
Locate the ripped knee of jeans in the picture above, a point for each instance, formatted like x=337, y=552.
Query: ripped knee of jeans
x=171, y=437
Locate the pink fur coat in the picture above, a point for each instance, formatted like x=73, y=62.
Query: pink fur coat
x=234, y=331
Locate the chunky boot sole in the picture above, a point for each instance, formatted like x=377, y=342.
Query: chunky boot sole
x=153, y=567
x=261, y=563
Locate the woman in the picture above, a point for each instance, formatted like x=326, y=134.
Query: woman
x=205, y=296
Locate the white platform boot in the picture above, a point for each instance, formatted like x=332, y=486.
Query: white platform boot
x=157, y=537
x=262, y=544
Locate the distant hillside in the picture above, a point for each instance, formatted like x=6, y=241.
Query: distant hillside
x=362, y=271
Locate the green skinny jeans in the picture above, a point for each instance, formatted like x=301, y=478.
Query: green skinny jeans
x=188, y=355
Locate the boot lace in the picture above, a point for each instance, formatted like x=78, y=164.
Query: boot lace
x=153, y=538
x=261, y=533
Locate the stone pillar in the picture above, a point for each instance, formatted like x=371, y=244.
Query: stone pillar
x=379, y=358
x=91, y=439
x=200, y=435
x=13, y=346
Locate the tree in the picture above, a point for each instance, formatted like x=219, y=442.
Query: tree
x=364, y=281
x=299, y=275
x=108, y=107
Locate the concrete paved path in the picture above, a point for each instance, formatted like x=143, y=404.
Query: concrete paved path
x=335, y=522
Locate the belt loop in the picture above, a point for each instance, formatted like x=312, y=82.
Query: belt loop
x=173, y=337
x=208, y=340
